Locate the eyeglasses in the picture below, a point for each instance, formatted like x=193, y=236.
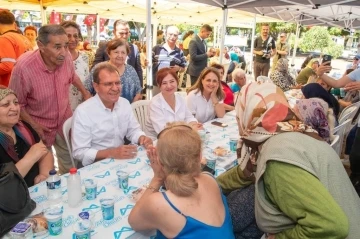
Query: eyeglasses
x=111, y=84
x=174, y=126
x=74, y=36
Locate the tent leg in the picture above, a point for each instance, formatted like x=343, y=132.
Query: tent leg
x=295, y=44
x=223, y=31
x=149, y=81
x=43, y=13
x=97, y=29
x=252, y=46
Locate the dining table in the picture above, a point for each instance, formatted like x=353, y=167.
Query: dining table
x=140, y=174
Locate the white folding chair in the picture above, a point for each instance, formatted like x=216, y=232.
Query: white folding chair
x=340, y=130
x=140, y=111
x=67, y=136
x=335, y=143
x=348, y=113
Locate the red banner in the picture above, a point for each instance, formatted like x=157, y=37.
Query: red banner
x=89, y=20
x=55, y=17
x=102, y=24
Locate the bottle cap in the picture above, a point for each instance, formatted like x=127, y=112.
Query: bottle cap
x=52, y=172
x=73, y=171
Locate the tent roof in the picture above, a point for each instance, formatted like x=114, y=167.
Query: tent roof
x=165, y=11
x=338, y=13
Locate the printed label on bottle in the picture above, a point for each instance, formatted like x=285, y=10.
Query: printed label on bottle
x=53, y=185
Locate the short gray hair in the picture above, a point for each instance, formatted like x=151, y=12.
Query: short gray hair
x=103, y=66
x=237, y=72
x=50, y=29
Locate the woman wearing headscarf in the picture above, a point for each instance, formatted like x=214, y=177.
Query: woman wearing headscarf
x=315, y=90
x=301, y=187
x=281, y=77
x=315, y=112
x=20, y=144
x=308, y=71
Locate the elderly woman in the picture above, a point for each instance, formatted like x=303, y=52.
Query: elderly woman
x=184, y=210
x=20, y=144
x=31, y=33
x=80, y=60
x=292, y=162
x=281, y=77
x=316, y=113
x=205, y=98
x=307, y=72
x=167, y=106
x=118, y=50
x=315, y=90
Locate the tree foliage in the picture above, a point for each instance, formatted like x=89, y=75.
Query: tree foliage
x=317, y=38
x=333, y=49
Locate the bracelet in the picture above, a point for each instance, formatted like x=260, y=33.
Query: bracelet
x=214, y=104
x=152, y=188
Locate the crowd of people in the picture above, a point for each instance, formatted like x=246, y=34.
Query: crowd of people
x=284, y=153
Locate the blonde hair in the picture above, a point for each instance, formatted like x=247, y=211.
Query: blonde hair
x=179, y=150
x=198, y=86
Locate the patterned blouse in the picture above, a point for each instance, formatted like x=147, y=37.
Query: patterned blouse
x=81, y=65
x=129, y=80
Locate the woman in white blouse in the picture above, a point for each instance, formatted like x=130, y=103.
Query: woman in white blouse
x=167, y=106
x=205, y=98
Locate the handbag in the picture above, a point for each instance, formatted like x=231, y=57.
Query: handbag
x=15, y=201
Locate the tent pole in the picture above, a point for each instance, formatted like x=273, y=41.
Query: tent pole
x=155, y=24
x=252, y=46
x=97, y=29
x=295, y=44
x=214, y=36
x=223, y=31
x=43, y=13
x=149, y=81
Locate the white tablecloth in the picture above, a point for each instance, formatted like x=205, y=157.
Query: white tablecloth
x=140, y=174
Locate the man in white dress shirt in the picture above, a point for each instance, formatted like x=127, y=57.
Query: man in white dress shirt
x=101, y=123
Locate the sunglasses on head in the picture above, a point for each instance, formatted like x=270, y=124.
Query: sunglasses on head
x=174, y=126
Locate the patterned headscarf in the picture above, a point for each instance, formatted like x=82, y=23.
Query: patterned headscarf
x=262, y=111
x=282, y=65
x=314, y=113
x=5, y=92
x=311, y=62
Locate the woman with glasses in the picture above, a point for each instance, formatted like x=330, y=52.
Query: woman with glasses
x=80, y=60
x=205, y=98
x=167, y=106
x=193, y=205
x=118, y=51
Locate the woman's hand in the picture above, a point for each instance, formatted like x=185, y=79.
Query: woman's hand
x=196, y=126
x=324, y=67
x=213, y=95
x=155, y=163
x=40, y=178
x=37, y=151
x=352, y=86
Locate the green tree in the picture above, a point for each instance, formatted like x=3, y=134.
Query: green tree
x=333, y=49
x=317, y=38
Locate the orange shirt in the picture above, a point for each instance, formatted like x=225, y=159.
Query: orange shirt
x=12, y=44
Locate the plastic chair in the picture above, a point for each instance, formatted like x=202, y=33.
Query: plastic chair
x=341, y=132
x=348, y=113
x=335, y=143
x=140, y=111
x=67, y=135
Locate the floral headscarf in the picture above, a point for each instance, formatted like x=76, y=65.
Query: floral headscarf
x=262, y=111
x=314, y=113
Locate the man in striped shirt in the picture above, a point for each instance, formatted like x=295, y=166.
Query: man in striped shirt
x=41, y=80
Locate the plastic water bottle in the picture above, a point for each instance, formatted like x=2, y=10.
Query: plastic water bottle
x=53, y=184
x=74, y=188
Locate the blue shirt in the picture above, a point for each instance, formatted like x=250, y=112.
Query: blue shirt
x=234, y=87
x=129, y=80
x=196, y=229
x=355, y=75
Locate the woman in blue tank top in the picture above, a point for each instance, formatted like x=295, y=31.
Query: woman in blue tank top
x=193, y=205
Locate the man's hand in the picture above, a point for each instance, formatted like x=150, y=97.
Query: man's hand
x=40, y=178
x=324, y=67
x=352, y=86
x=145, y=141
x=124, y=152
x=87, y=95
x=40, y=130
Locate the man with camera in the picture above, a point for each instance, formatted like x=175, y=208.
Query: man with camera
x=264, y=49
